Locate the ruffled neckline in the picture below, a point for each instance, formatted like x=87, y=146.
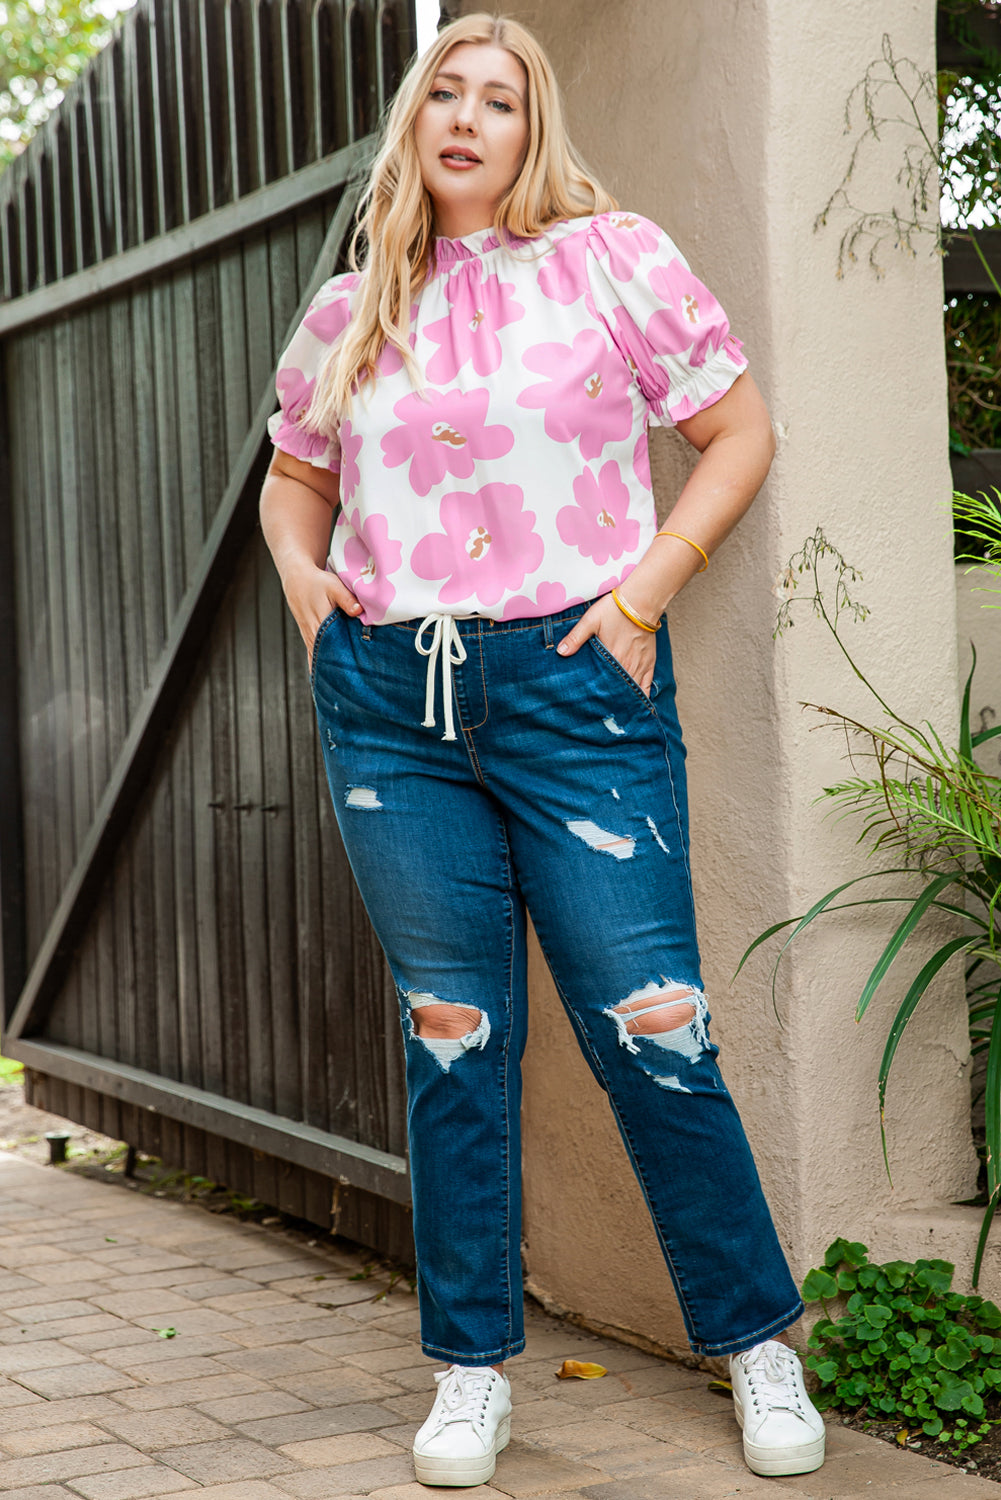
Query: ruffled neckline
x=471, y=246
x=467, y=246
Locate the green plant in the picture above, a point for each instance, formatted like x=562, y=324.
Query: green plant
x=938, y=811
x=973, y=351
x=10, y=1071
x=903, y=1347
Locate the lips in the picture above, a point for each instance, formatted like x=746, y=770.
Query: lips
x=459, y=153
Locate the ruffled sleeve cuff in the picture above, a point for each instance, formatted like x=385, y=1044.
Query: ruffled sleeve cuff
x=705, y=384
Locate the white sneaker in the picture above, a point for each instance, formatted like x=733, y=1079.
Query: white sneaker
x=783, y=1430
x=470, y=1423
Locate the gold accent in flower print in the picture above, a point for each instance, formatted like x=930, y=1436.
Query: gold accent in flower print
x=367, y=574
x=477, y=319
x=478, y=543
x=593, y=386
x=625, y=221
x=690, y=307
x=444, y=432
x=604, y=519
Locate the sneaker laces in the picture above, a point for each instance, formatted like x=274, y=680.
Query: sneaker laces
x=463, y=1393
x=772, y=1375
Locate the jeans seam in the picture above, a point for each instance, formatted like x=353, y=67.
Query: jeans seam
x=483, y=683
x=488, y=1356
x=324, y=626
x=505, y=1054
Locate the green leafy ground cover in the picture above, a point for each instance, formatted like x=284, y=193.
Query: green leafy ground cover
x=903, y=1354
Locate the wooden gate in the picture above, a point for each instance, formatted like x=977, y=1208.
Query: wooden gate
x=186, y=962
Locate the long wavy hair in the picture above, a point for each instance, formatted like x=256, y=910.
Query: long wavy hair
x=396, y=214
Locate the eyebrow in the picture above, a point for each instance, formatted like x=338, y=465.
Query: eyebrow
x=492, y=83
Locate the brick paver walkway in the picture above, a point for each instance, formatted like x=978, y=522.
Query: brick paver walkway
x=284, y=1377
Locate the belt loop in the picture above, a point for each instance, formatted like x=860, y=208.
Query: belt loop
x=366, y=632
x=547, y=631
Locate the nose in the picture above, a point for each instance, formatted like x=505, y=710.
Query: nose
x=464, y=120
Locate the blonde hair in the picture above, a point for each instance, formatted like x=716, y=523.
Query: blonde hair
x=396, y=221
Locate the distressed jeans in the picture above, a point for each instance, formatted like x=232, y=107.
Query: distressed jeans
x=563, y=792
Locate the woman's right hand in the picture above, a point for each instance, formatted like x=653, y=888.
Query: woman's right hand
x=311, y=594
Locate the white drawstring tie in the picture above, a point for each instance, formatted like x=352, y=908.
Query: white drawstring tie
x=446, y=633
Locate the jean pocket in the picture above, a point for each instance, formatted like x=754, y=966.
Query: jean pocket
x=324, y=626
x=605, y=656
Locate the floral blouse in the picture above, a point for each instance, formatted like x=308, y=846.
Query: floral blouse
x=518, y=483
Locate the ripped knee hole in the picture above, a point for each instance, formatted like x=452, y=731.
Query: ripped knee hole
x=445, y=1021
x=667, y=1013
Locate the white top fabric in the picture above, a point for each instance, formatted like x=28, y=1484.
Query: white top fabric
x=518, y=483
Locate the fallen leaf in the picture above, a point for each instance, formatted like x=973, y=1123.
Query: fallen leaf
x=166, y=1333
x=576, y=1369
x=721, y=1387
x=902, y=1436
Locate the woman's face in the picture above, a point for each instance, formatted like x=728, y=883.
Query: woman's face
x=471, y=134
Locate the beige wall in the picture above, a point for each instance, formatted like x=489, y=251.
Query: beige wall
x=723, y=121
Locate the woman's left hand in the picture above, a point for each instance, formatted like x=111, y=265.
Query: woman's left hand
x=634, y=649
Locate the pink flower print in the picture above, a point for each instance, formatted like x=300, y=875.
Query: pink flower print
x=489, y=545
x=624, y=238
x=598, y=524
x=550, y=599
x=614, y=583
x=563, y=276
x=480, y=307
x=586, y=395
x=691, y=318
x=370, y=557
x=350, y=448
x=295, y=393
x=641, y=461
x=444, y=432
x=328, y=318
x=734, y=350
x=686, y=407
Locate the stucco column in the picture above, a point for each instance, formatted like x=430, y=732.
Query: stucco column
x=723, y=121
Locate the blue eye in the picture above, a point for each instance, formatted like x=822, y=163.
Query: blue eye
x=502, y=104
x=442, y=93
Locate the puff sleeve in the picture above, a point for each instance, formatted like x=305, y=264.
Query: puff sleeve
x=665, y=322
x=326, y=319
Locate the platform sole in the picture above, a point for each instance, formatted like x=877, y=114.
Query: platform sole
x=773, y=1463
x=461, y=1472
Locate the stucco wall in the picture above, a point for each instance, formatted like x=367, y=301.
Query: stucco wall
x=724, y=122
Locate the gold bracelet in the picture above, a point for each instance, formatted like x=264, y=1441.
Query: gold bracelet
x=643, y=624
x=704, y=554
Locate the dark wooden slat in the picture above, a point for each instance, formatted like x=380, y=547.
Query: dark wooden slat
x=114, y=914
x=33, y=624
x=376, y=1171
x=55, y=791
x=180, y=71
x=84, y=561
x=190, y=240
x=12, y=871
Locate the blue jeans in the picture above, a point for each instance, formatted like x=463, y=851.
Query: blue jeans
x=564, y=792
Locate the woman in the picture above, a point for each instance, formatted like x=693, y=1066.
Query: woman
x=476, y=400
